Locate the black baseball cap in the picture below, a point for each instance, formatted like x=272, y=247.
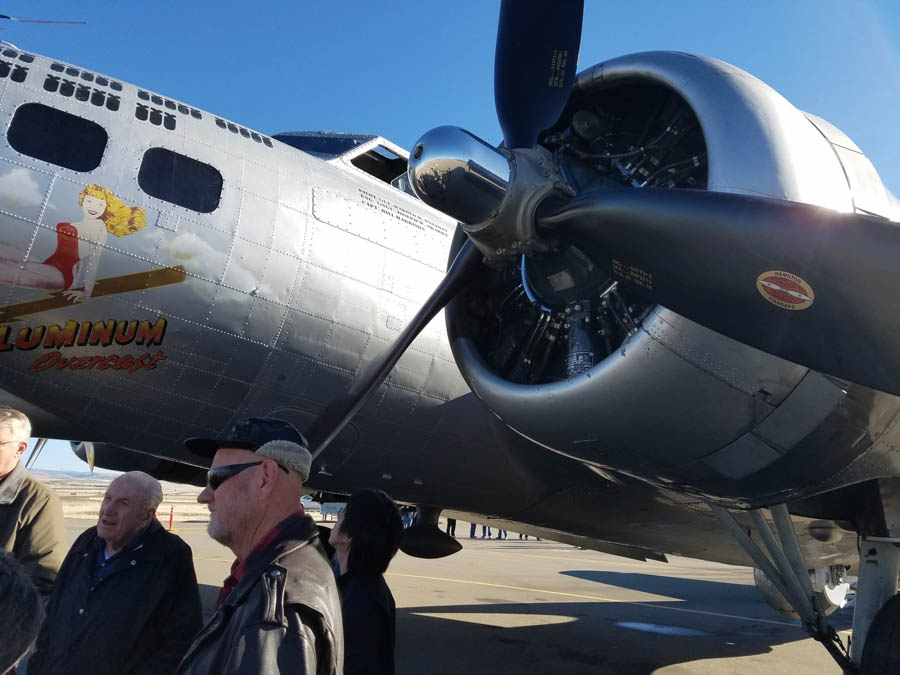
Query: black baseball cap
x=248, y=434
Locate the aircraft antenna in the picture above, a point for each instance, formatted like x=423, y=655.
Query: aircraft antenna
x=12, y=18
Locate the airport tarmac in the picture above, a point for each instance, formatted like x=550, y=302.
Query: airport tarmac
x=516, y=606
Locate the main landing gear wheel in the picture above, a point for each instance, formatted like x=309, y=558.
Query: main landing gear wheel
x=881, y=653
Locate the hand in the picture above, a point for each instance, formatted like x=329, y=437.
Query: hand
x=75, y=296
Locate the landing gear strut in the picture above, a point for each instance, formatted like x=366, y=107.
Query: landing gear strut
x=876, y=619
x=874, y=646
x=788, y=573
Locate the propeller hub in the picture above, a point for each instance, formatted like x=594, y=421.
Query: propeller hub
x=492, y=192
x=456, y=172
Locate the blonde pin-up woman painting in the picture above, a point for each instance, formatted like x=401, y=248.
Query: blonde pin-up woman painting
x=72, y=268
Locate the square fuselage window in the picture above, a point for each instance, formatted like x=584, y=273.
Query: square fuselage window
x=57, y=137
x=180, y=180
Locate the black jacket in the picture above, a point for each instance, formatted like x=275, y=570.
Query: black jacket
x=369, y=621
x=283, y=616
x=139, y=619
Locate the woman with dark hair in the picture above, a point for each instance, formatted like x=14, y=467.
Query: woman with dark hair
x=365, y=538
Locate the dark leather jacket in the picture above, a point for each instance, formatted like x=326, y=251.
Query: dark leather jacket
x=283, y=616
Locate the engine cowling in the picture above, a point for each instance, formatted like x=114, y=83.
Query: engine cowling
x=561, y=356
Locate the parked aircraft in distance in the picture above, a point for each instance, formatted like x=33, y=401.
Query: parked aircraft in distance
x=671, y=308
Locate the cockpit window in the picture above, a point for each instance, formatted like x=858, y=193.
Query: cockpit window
x=322, y=144
x=382, y=163
x=180, y=180
x=57, y=137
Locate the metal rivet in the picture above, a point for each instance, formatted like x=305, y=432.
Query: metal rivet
x=81, y=611
x=133, y=563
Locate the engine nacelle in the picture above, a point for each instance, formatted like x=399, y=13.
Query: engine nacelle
x=565, y=359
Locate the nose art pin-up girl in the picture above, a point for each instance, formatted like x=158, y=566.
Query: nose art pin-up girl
x=73, y=267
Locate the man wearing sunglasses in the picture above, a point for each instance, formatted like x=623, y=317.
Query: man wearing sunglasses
x=279, y=610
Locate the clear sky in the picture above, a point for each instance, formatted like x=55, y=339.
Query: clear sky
x=399, y=68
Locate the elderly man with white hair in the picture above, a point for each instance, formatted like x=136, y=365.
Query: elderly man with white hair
x=126, y=599
x=31, y=518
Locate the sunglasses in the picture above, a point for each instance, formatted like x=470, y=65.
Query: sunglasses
x=215, y=477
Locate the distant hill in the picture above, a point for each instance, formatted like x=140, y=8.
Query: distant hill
x=49, y=474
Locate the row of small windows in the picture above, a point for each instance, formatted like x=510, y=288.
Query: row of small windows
x=171, y=105
x=23, y=57
x=82, y=92
x=78, y=144
x=15, y=72
x=85, y=75
x=246, y=133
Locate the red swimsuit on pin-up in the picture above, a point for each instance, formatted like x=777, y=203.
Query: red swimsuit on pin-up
x=66, y=255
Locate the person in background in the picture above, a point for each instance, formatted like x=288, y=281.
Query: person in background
x=126, y=600
x=486, y=531
x=472, y=527
x=451, y=526
x=279, y=609
x=21, y=613
x=31, y=518
x=408, y=515
x=366, y=538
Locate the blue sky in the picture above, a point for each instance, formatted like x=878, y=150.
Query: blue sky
x=399, y=68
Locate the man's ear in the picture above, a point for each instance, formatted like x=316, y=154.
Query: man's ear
x=23, y=446
x=269, y=472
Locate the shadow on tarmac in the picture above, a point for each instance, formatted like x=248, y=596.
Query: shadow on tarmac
x=723, y=621
x=699, y=620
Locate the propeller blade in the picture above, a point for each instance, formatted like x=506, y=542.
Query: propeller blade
x=808, y=284
x=341, y=410
x=12, y=18
x=534, y=65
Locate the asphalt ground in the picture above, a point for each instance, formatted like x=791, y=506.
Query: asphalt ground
x=516, y=606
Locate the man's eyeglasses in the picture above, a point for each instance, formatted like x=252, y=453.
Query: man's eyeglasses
x=218, y=475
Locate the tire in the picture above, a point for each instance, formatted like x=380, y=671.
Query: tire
x=881, y=653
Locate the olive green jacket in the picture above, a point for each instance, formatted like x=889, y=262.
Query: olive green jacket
x=31, y=526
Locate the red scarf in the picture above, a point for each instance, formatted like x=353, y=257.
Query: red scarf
x=238, y=568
